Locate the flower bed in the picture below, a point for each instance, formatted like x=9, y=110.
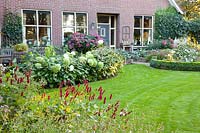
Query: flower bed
x=74, y=67
x=170, y=65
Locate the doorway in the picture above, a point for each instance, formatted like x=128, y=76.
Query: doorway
x=107, y=29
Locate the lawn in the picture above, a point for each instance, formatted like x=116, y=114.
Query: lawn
x=170, y=97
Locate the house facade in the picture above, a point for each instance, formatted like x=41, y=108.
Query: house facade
x=116, y=21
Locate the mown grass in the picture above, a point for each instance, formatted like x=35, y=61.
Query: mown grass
x=171, y=98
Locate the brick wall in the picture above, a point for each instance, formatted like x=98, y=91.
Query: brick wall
x=125, y=9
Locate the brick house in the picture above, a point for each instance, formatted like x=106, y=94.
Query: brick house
x=116, y=21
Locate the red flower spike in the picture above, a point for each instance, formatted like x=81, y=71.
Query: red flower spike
x=79, y=85
x=11, y=81
x=49, y=97
x=66, y=94
x=60, y=92
x=104, y=101
x=100, y=97
x=110, y=96
x=100, y=88
x=1, y=81
x=69, y=83
x=15, y=76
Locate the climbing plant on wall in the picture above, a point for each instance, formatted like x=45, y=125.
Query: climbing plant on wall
x=11, y=29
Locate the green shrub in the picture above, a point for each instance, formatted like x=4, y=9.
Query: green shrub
x=169, y=24
x=94, y=65
x=194, y=29
x=113, y=62
x=157, y=54
x=12, y=29
x=22, y=47
x=181, y=66
x=185, y=53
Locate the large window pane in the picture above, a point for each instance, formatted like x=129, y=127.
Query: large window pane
x=112, y=37
x=147, y=37
x=44, y=18
x=81, y=19
x=44, y=35
x=138, y=21
x=68, y=31
x=137, y=37
x=112, y=21
x=147, y=22
x=31, y=35
x=29, y=17
x=68, y=19
x=81, y=30
x=103, y=19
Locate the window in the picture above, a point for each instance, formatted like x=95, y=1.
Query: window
x=74, y=22
x=143, y=30
x=37, y=27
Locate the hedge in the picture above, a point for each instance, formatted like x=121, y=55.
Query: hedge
x=181, y=66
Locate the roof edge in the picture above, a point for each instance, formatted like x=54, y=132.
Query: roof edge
x=174, y=4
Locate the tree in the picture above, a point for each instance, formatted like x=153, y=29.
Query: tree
x=191, y=8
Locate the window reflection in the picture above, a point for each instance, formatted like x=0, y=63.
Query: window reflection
x=143, y=31
x=37, y=30
x=74, y=22
x=68, y=19
x=81, y=19
x=147, y=22
x=29, y=17
x=138, y=21
x=44, y=18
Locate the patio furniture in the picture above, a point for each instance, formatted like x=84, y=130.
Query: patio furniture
x=5, y=55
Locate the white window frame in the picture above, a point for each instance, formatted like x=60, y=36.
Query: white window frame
x=37, y=25
x=75, y=26
x=142, y=28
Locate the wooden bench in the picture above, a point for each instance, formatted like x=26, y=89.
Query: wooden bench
x=6, y=55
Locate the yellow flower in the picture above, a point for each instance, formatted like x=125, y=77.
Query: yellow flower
x=68, y=109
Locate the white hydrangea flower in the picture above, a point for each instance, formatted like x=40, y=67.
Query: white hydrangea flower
x=66, y=56
x=71, y=68
x=73, y=53
x=100, y=42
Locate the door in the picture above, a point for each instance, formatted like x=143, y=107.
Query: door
x=104, y=32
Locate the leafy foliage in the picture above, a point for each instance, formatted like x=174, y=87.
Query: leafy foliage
x=185, y=53
x=21, y=47
x=171, y=65
x=53, y=68
x=12, y=29
x=169, y=25
x=191, y=8
x=162, y=44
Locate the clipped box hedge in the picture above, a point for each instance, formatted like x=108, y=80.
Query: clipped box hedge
x=181, y=66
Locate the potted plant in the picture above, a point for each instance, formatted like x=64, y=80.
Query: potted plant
x=19, y=50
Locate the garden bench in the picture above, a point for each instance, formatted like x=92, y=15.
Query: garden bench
x=6, y=55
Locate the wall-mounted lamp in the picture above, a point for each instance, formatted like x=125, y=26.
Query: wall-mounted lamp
x=93, y=25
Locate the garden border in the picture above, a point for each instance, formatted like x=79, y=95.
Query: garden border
x=171, y=65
